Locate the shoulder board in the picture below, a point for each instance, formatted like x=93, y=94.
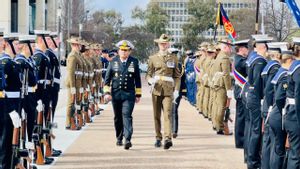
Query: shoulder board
x=281, y=72
x=269, y=66
x=295, y=65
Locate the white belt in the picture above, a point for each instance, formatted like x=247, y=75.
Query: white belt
x=78, y=73
x=44, y=81
x=164, y=78
x=97, y=70
x=91, y=74
x=290, y=101
x=56, y=80
x=103, y=70
x=12, y=94
x=31, y=89
x=86, y=74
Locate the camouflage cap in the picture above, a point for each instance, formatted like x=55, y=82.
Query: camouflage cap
x=164, y=38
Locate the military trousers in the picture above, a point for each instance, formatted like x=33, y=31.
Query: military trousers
x=266, y=147
x=292, y=128
x=29, y=105
x=205, y=101
x=123, y=118
x=54, y=99
x=162, y=103
x=71, y=105
x=201, y=97
x=220, y=106
x=6, y=134
x=239, y=129
x=255, y=136
x=210, y=105
x=198, y=96
x=175, y=107
x=278, y=139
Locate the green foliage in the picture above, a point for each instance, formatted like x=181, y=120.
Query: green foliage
x=154, y=19
x=202, y=18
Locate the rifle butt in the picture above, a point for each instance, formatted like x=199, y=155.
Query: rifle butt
x=40, y=157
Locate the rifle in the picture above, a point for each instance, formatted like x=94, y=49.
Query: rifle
x=38, y=139
x=49, y=134
x=17, y=153
x=226, y=119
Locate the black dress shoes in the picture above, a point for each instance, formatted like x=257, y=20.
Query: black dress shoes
x=175, y=135
x=157, y=143
x=168, y=144
x=127, y=145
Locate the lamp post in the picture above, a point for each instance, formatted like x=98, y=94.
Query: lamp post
x=59, y=33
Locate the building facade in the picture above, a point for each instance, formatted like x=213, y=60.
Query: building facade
x=178, y=15
x=24, y=16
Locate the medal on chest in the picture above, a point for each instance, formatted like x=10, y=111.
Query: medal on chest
x=131, y=68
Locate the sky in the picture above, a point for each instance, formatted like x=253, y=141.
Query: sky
x=123, y=6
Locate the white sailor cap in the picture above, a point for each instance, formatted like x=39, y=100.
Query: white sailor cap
x=262, y=38
x=27, y=38
x=41, y=33
x=244, y=43
x=125, y=45
x=11, y=36
x=173, y=50
x=54, y=34
x=277, y=46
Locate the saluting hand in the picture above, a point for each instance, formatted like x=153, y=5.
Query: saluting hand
x=137, y=99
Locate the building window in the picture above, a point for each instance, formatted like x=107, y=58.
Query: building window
x=14, y=16
x=181, y=4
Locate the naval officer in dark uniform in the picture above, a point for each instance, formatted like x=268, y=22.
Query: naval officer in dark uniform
x=122, y=85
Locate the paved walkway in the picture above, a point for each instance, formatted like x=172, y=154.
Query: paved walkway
x=197, y=146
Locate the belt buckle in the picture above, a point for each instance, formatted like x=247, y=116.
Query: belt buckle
x=2, y=94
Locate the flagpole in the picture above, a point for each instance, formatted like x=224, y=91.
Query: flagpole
x=217, y=22
x=257, y=15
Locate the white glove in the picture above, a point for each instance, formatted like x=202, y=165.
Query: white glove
x=77, y=107
x=152, y=81
x=107, y=98
x=15, y=118
x=40, y=106
x=81, y=90
x=229, y=93
x=73, y=90
x=175, y=94
x=270, y=109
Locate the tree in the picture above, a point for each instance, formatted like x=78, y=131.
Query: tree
x=143, y=41
x=154, y=19
x=278, y=19
x=243, y=21
x=202, y=18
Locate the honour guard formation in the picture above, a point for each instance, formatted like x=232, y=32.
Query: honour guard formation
x=259, y=75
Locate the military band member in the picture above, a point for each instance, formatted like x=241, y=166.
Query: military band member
x=164, y=76
x=255, y=65
x=240, y=75
x=123, y=77
x=74, y=82
x=10, y=94
x=268, y=74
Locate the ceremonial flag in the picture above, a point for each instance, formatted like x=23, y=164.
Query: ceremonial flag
x=222, y=19
x=295, y=9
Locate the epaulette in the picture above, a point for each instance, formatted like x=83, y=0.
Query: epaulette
x=295, y=65
x=281, y=72
x=268, y=67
